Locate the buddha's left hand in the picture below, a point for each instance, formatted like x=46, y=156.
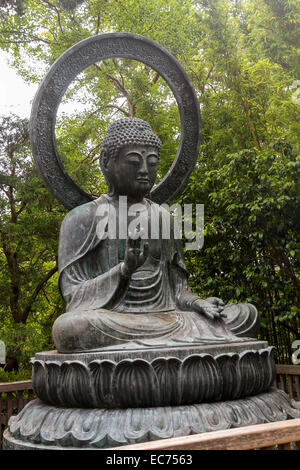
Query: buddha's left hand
x=218, y=302
x=212, y=310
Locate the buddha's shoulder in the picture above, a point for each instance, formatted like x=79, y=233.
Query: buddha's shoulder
x=84, y=213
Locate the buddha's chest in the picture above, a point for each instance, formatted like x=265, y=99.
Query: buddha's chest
x=147, y=223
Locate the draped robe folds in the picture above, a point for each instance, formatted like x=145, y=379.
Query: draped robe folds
x=104, y=308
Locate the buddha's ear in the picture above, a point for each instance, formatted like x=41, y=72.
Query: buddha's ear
x=104, y=160
x=104, y=165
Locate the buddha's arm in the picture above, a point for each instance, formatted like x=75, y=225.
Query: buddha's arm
x=90, y=275
x=103, y=291
x=187, y=301
x=184, y=297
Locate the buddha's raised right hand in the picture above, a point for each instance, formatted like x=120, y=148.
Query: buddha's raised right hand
x=134, y=256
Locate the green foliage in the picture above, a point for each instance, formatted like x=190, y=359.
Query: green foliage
x=242, y=58
x=252, y=227
x=23, y=340
x=29, y=226
x=23, y=374
x=251, y=251
x=12, y=5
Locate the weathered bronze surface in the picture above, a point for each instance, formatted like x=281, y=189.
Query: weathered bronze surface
x=61, y=428
x=158, y=377
x=119, y=290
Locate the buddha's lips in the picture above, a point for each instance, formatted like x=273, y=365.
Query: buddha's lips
x=143, y=180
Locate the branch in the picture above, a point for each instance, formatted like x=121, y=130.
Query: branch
x=14, y=274
x=37, y=290
x=27, y=38
x=156, y=77
x=98, y=24
x=44, y=292
x=127, y=114
x=90, y=115
x=117, y=84
x=209, y=72
x=74, y=21
x=21, y=208
x=4, y=181
x=89, y=155
x=121, y=88
x=125, y=93
x=54, y=7
x=51, y=5
x=33, y=262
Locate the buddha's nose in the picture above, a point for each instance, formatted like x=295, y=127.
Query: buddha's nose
x=143, y=169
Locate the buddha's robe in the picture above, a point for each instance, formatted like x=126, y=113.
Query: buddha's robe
x=103, y=308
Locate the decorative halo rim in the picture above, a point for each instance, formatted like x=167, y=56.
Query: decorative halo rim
x=61, y=74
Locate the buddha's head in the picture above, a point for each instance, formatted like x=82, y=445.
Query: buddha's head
x=129, y=157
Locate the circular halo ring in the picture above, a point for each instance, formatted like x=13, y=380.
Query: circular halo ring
x=62, y=73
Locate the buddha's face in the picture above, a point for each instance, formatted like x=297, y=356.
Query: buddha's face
x=134, y=170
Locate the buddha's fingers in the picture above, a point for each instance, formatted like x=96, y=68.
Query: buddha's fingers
x=146, y=251
x=131, y=242
x=209, y=315
x=134, y=239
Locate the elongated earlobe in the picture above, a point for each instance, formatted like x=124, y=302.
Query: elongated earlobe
x=104, y=166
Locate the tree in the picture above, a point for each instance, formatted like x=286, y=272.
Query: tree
x=242, y=59
x=113, y=88
x=248, y=170
x=12, y=5
x=29, y=227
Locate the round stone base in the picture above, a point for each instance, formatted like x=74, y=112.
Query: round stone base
x=41, y=426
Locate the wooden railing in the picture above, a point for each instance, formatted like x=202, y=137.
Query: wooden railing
x=15, y=395
x=282, y=435
x=288, y=379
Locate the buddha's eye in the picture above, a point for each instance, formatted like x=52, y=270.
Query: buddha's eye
x=152, y=160
x=133, y=159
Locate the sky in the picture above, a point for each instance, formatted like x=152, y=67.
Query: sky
x=15, y=95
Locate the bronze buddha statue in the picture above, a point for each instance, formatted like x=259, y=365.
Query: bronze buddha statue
x=134, y=290
x=139, y=357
